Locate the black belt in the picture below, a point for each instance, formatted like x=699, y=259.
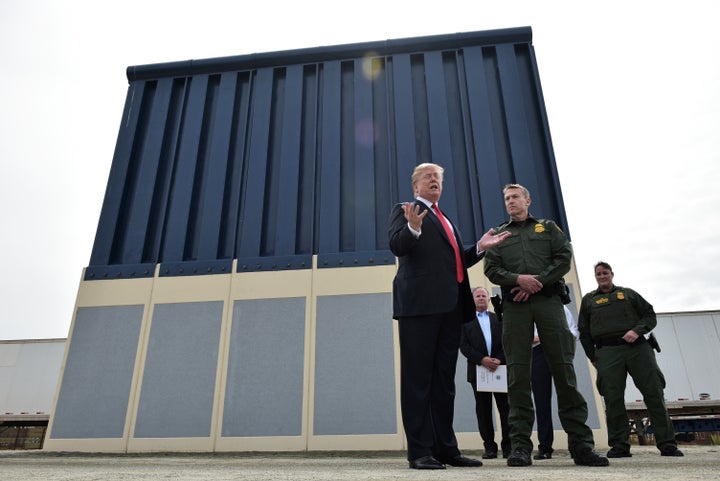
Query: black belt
x=548, y=291
x=617, y=341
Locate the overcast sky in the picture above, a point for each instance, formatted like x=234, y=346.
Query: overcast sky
x=632, y=91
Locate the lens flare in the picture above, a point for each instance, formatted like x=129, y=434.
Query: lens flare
x=372, y=65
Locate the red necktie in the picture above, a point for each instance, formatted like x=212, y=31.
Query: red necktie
x=453, y=242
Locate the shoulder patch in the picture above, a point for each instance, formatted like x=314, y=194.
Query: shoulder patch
x=549, y=224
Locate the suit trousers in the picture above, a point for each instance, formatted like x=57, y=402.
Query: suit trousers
x=542, y=396
x=548, y=315
x=428, y=360
x=484, y=413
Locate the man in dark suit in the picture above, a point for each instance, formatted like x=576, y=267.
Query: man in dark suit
x=431, y=298
x=481, y=344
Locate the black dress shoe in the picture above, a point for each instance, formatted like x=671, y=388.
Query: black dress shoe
x=461, y=461
x=426, y=462
x=671, y=451
x=543, y=455
x=490, y=455
x=616, y=452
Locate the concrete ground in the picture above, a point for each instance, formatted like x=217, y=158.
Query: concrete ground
x=699, y=463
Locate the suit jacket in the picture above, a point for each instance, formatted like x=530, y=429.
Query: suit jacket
x=426, y=282
x=474, y=347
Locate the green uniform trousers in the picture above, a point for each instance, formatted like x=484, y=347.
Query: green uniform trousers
x=613, y=364
x=559, y=345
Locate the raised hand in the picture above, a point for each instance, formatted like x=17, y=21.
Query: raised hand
x=413, y=215
x=489, y=239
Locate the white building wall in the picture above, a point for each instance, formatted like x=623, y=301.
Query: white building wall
x=29, y=372
x=689, y=357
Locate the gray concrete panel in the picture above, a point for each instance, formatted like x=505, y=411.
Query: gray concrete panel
x=176, y=399
x=354, y=366
x=93, y=399
x=264, y=393
x=465, y=420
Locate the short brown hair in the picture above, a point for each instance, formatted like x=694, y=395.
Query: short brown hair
x=603, y=264
x=526, y=193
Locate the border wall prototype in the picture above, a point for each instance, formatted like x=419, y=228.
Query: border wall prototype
x=238, y=295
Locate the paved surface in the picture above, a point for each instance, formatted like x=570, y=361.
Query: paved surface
x=699, y=463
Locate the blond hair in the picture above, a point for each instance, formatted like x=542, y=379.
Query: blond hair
x=420, y=168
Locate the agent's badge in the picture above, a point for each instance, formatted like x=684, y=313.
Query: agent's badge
x=539, y=228
x=620, y=296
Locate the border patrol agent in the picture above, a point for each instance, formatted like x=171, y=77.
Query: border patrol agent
x=528, y=267
x=613, y=322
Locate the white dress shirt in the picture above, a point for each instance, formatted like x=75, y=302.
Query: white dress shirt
x=484, y=320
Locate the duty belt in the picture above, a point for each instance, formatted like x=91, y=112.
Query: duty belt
x=617, y=341
x=556, y=288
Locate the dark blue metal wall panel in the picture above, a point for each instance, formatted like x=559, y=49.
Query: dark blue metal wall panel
x=273, y=158
x=481, y=134
x=109, y=230
x=404, y=126
x=254, y=201
x=177, y=240
x=289, y=165
x=363, y=208
x=329, y=160
x=212, y=193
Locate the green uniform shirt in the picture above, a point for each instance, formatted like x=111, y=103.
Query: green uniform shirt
x=612, y=314
x=537, y=247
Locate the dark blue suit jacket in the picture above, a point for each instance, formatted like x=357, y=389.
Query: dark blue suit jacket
x=426, y=282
